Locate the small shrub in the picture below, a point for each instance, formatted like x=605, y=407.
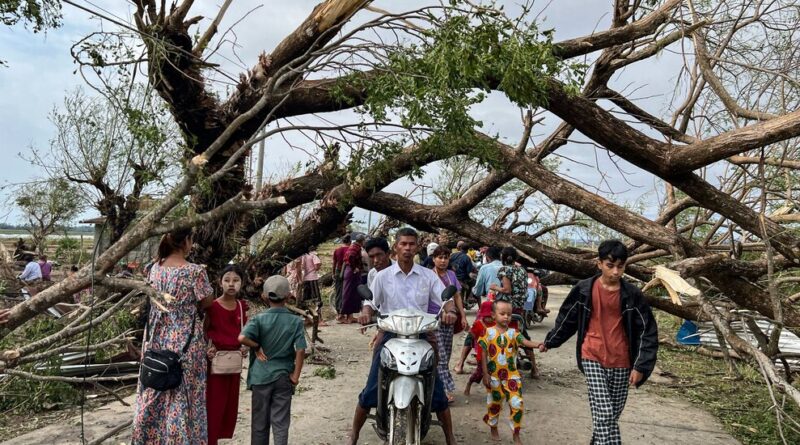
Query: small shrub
x=326, y=372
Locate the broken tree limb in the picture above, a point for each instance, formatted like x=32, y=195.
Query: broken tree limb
x=744, y=347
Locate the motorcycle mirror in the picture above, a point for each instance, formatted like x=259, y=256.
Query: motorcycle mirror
x=448, y=292
x=364, y=292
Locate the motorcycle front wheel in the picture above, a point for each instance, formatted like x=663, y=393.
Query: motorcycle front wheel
x=404, y=424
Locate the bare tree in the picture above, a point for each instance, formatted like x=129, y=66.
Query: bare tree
x=47, y=205
x=117, y=148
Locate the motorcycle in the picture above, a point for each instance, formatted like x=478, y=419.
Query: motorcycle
x=536, y=292
x=406, y=373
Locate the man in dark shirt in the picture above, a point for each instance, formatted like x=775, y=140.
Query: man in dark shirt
x=462, y=265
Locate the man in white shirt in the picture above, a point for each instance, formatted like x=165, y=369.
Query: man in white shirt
x=403, y=285
x=32, y=273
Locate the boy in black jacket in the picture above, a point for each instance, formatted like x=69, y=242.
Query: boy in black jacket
x=617, y=338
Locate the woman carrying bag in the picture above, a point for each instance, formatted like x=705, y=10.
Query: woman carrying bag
x=224, y=322
x=171, y=396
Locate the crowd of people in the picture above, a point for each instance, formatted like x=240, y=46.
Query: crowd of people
x=616, y=347
x=212, y=334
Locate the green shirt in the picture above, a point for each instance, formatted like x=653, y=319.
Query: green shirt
x=280, y=334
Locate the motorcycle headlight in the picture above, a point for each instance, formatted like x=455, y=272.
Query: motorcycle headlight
x=387, y=359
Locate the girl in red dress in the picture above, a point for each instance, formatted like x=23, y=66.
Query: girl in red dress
x=223, y=323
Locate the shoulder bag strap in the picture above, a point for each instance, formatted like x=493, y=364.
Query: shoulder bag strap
x=191, y=335
x=241, y=314
x=146, y=328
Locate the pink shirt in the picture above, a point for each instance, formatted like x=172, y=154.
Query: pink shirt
x=311, y=263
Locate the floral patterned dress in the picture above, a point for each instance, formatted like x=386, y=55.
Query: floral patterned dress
x=519, y=286
x=177, y=416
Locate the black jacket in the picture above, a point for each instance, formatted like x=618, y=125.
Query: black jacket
x=640, y=325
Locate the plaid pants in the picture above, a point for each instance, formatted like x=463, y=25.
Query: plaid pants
x=444, y=340
x=608, y=392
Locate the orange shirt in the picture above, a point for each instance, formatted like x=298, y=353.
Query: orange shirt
x=606, y=341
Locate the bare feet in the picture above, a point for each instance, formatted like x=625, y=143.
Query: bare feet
x=466, y=390
x=495, y=434
x=459, y=369
x=352, y=440
x=517, y=440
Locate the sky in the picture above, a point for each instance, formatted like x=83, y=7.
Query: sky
x=40, y=70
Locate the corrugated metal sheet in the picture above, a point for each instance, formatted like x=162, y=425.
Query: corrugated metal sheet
x=788, y=342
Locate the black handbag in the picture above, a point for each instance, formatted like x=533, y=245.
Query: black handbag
x=161, y=368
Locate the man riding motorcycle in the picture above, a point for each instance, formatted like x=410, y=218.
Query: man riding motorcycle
x=403, y=285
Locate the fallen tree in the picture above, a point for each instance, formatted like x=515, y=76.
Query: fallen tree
x=724, y=156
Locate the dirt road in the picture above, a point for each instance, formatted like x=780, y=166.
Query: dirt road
x=556, y=406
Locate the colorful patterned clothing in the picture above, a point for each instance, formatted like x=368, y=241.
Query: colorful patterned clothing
x=504, y=379
x=177, y=416
x=519, y=285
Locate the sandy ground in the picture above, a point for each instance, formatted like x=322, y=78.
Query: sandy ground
x=556, y=407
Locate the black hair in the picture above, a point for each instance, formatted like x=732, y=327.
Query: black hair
x=235, y=268
x=508, y=256
x=406, y=231
x=380, y=243
x=172, y=241
x=613, y=250
x=74, y=268
x=500, y=299
x=493, y=252
x=441, y=251
x=346, y=239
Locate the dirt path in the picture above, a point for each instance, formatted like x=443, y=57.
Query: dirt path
x=557, y=410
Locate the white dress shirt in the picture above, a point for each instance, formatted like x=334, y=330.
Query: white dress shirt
x=392, y=289
x=372, y=272
x=32, y=272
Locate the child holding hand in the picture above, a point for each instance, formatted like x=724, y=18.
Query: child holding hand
x=499, y=347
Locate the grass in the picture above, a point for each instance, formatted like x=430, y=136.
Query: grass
x=743, y=406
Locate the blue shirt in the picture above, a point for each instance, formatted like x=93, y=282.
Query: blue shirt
x=462, y=265
x=487, y=275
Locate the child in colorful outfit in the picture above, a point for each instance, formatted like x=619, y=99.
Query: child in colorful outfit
x=484, y=320
x=499, y=346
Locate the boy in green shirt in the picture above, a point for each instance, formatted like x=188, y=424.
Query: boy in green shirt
x=277, y=336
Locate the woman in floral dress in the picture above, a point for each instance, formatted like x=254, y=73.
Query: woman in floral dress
x=176, y=416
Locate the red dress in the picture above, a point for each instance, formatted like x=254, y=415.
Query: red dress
x=222, y=394
x=478, y=330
